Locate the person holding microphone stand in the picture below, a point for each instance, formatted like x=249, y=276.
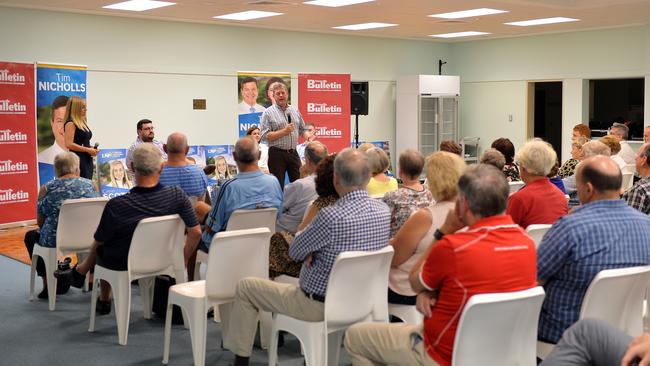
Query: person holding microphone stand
x=281, y=125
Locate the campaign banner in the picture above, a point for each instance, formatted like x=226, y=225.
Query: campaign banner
x=54, y=84
x=112, y=174
x=324, y=100
x=18, y=166
x=196, y=155
x=255, y=96
x=221, y=157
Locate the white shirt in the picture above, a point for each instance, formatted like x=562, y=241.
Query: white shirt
x=627, y=153
x=619, y=161
x=297, y=196
x=47, y=155
x=245, y=108
x=263, y=163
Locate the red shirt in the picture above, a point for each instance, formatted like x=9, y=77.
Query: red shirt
x=493, y=255
x=539, y=202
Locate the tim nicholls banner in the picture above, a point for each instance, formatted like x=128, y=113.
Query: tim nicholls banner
x=18, y=167
x=54, y=81
x=324, y=100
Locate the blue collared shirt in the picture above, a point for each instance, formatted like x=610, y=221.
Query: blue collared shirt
x=190, y=178
x=247, y=191
x=354, y=222
x=599, y=235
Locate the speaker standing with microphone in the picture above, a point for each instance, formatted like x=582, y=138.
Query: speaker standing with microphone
x=281, y=125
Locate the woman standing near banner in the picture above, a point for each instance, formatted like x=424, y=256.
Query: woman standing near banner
x=78, y=135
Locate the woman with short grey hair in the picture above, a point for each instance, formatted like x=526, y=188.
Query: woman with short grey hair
x=67, y=185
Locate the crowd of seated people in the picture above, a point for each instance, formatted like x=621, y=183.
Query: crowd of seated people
x=459, y=234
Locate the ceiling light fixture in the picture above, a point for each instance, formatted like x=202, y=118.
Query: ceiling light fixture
x=247, y=15
x=138, y=5
x=335, y=3
x=459, y=34
x=468, y=13
x=528, y=23
x=363, y=26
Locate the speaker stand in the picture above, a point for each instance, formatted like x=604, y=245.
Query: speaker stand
x=356, y=131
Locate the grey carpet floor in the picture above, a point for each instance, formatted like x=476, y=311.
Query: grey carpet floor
x=32, y=335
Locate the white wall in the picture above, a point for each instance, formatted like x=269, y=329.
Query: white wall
x=153, y=69
x=494, y=74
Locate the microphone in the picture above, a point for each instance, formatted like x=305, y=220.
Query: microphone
x=288, y=117
x=96, y=145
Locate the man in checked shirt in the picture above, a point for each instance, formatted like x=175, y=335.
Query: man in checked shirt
x=639, y=195
x=354, y=222
x=281, y=124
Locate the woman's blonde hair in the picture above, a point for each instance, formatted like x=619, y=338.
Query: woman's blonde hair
x=378, y=160
x=612, y=143
x=443, y=172
x=73, y=112
x=226, y=175
x=125, y=179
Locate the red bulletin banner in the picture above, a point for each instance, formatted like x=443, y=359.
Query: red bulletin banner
x=324, y=100
x=18, y=165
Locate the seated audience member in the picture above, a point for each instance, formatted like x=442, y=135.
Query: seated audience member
x=539, y=201
x=412, y=195
x=309, y=134
x=68, y=185
x=299, y=193
x=145, y=135
x=620, y=132
x=415, y=236
x=493, y=255
x=493, y=157
x=122, y=214
x=555, y=178
x=615, y=148
x=263, y=161
x=646, y=134
x=380, y=183
x=179, y=172
x=365, y=147
x=593, y=342
x=568, y=168
x=505, y=147
x=279, y=260
x=638, y=197
x=589, y=149
x=451, y=146
x=580, y=130
x=603, y=233
x=354, y=222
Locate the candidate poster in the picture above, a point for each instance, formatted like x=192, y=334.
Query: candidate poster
x=18, y=167
x=221, y=157
x=55, y=83
x=112, y=174
x=255, y=96
x=196, y=155
x=324, y=101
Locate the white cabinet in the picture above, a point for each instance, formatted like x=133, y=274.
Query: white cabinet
x=427, y=112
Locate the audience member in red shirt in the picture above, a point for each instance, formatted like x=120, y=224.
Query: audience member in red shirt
x=539, y=201
x=492, y=255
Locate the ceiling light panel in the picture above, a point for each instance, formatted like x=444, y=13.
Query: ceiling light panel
x=248, y=15
x=363, y=26
x=138, y=5
x=459, y=34
x=336, y=3
x=468, y=13
x=528, y=23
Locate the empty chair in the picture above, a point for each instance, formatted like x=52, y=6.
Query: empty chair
x=628, y=181
x=78, y=220
x=537, y=231
x=499, y=329
x=233, y=255
x=351, y=297
x=515, y=186
x=156, y=248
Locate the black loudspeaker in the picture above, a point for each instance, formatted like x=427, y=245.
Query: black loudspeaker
x=359, y=98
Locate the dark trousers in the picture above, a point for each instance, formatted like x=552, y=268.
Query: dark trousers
x=31, y=239
x=284, y=161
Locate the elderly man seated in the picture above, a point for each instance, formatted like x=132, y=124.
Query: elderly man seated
x=179, y=172
x=122, y=214
x=638, y=196
x=589, y=149
x=68, y=185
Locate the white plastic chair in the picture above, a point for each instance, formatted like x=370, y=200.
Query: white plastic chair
x=515, y=186
x=499, y=329
x=408, y=313
x=78, y=220
x=629, y=168
x=537, y=231
x=156, y=249
x=628, y=181
x=233, y=255
x=351, y=298
x=242, y=220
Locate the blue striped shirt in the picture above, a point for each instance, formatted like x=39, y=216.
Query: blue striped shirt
x=599, y=235
x=354, y=222
x=190, y=178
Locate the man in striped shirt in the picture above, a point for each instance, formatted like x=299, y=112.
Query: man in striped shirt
x=281, y=124
x=638, y=197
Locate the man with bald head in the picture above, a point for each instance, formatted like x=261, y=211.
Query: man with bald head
x=603, y=233
x=589, y=149
x=179, y=172
x=354, y=222
x=638, y=196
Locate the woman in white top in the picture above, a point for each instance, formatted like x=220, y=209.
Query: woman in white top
x=443, y=170
x=263, y=163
